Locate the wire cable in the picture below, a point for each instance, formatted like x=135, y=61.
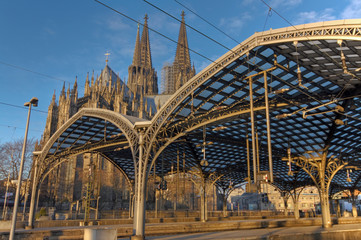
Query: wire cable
x=248, y=60
x=204, y=35
x=38, y=73
x=268, y=14
x=153, y=30
x=9, y=126
x=22, y=107
x=337, y=63
x=220, y=30
x=31, y=71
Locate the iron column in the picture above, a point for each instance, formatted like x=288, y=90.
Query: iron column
x=268, y=128
x=253, y=132
x=34, y=102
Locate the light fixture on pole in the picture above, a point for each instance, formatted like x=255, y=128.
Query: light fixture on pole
x=33, y=102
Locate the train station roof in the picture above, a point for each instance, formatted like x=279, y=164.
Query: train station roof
x=314, y=87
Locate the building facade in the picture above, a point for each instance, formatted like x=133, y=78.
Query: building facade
x=138, y=97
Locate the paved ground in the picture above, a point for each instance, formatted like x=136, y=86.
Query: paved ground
x=267, y=233
x=255, y=229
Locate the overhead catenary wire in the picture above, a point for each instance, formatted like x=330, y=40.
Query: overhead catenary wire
x=33, y=109
x=203, y=34
x=38, y=73
x=334, y=60
x=124, y=15
x=22, y=107
x=15, y=127
x=32, y=71
x=153, y=30
x=268, y=14
x=196, y=30
x=161, y=34
x=270, y=9
x=205, y=20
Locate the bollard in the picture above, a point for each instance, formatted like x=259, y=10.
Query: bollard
x=100, y=234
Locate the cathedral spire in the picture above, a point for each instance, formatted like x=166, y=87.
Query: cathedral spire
x=141, y=74
x=76, y=83
x=63, y=90
x=53, y=99
x=87, y=87
x=74, y=91
x=181, y=69
x=137, y=53
x=146, y=58
x=68, y=92
x=182, y=53
x=92, y=81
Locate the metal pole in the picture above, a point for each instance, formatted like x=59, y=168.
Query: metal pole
x=257, y=151
x=77, y=209
x=253, y=132
x=248, y=163
x=184, y=174
x=33, y=194
x=17, y=194
x=26, y=199
x=140, y=191
x=97, y=210
x=268, y=128
x=177, y=187
x=156, y=203
x=155, y=194
x=6, y=197
x=37, y=199
x=130, y=204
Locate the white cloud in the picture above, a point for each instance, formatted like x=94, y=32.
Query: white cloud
x=313, y=16
x=116, y=24
x=49, y=31
x=234, y=24
x=353, y=10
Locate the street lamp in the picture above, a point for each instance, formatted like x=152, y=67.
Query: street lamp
x=33, y=102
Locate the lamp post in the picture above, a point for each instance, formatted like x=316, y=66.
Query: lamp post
x=34, y=102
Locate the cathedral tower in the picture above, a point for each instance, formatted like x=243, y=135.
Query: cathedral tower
x=181, y=70
x=142, y=78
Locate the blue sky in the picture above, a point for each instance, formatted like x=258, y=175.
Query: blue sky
x=46, y=43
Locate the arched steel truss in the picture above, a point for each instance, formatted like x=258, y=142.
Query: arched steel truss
x=170, y=123
x=73, y=137
x=312, y=74
x=89, y=130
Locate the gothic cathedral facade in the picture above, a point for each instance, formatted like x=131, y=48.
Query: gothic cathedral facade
x=138, y=97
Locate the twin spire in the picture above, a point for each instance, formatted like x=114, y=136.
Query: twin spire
x=182, y=54
x=142, y=78
x=142, y=55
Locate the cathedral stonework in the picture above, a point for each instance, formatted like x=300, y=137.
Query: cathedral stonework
x=177, y=74
x=138, y=97
x=142, y=78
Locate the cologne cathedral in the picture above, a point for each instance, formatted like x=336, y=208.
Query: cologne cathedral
x=138, y=97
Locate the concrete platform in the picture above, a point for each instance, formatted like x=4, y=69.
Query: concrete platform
x=337, y=232
x=277, y=229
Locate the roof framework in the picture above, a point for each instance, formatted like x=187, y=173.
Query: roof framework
x=212, y=112
x=306, y=79
x=305, y=118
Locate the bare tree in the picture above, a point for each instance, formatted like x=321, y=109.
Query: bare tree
x=10, y=157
